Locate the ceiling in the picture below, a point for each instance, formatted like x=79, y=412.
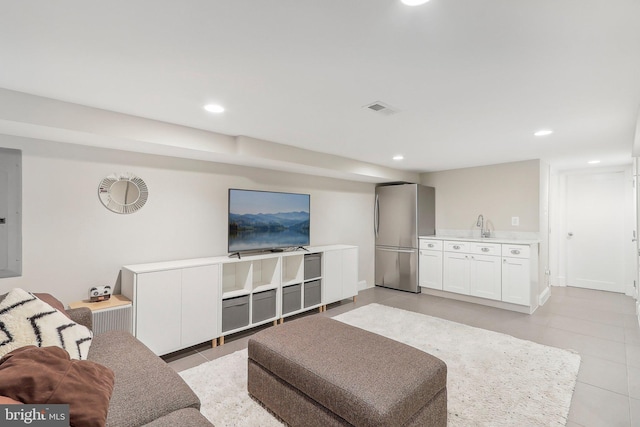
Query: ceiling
x=470, y=80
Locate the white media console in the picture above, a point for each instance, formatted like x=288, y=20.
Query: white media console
x=177, y=304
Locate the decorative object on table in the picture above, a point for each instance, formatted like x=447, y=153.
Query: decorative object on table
x=123, y=193
x=100, y=293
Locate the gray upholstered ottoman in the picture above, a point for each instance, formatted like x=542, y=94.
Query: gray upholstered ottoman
x=317, y=371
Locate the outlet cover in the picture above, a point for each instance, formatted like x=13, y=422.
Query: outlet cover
x=515, y=220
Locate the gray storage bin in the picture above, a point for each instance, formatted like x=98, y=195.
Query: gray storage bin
x=235, y=313
x=312, y=293
x=263, y=306
x=312, y=266
x=291, y=296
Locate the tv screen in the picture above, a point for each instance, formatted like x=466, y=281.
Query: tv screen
x=262, y=220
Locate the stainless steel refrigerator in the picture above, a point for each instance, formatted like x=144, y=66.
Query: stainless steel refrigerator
x=402, y=212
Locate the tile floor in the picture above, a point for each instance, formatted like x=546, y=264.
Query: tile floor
x=601, y=326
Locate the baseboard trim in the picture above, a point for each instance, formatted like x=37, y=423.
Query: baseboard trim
x=362, y=285
x=544, y=296
x=477, y=300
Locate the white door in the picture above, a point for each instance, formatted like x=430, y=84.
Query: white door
x=595, y=231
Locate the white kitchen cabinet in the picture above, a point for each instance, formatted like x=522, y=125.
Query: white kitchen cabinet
x=499, y=274
x=470, y=274
x=174, y=308
x=516, y=280
x=430, y=262
x=485, y=276
x=456, y=272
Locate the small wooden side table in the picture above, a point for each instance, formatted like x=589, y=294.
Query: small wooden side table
x=112, y=314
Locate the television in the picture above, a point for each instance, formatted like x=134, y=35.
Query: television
x=267, y=220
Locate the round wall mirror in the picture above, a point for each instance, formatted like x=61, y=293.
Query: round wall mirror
x=123, y=193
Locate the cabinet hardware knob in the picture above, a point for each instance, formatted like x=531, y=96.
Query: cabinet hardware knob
x=515, y=251
x=456, y=247
x=430, y=245
x=485, y=249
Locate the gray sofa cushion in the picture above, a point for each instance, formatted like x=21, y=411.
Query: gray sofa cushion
x=188, y=417
x=146, y=388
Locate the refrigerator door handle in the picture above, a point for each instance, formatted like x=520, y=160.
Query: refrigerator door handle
x=404, y=251
x=376, y=215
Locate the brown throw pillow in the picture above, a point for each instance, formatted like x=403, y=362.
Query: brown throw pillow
x=4, y=400
x=52, y=301
x=46, y=375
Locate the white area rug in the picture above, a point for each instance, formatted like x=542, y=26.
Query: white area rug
x=493, y=379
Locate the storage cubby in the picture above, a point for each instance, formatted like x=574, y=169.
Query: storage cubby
x=236, y=278
x=292, y=269
x=266, y=273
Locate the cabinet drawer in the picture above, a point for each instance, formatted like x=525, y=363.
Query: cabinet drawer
x=516, y=251
x=432, y=245
x=486, y=248
x=454, y=246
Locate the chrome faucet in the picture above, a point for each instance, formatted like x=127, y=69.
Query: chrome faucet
x=480, y=223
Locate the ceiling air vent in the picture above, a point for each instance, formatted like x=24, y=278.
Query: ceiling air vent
x=381, y=108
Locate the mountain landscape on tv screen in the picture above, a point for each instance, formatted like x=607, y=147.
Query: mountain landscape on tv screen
x=270, y=222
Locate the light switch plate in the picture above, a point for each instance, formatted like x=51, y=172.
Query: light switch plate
x=515, y=220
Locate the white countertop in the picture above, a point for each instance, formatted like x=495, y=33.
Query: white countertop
x=507, y=240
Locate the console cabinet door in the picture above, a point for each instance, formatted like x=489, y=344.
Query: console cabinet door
x=158, y=313
x=349, y=272
x=339, y=274
x=200, y=294
x=516, y=277
x=486, y=277
x=332, y=276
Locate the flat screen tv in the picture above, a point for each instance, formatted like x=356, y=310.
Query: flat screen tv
x=267, y=220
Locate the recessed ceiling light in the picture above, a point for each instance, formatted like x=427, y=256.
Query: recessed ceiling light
x=543, y=132
x=593, y=162
x=214, y=108
x=414, y=2
x=398, y=157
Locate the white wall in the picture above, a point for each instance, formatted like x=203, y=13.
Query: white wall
x=71, y=242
